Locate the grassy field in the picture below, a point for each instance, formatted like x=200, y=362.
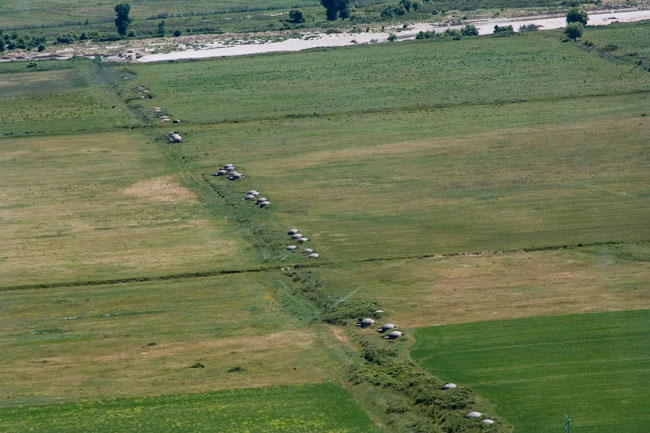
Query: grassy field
x=440, y=291
x=384, y=156
x=435, y=179
x=58, y=99
x=623, y=43
x=103, y=206
x=140, y=339
x=593, y=367
x=425, y=193
x=324, y=408
x=381, y=77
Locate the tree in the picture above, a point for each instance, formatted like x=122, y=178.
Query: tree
x=2, y=44
x=336, y=8
x=122, y=20
x=342, y=7
x=330, y=9
x=573, y=30
x=295, y=16
x=161, y=28
x=575, y=15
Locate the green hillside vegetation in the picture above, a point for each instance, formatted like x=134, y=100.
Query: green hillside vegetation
x=268, y=410
x=537, y=370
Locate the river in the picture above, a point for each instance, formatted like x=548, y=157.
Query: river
x=319, y=40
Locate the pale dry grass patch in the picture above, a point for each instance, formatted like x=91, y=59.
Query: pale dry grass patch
x=163, y=189
x=439, y=291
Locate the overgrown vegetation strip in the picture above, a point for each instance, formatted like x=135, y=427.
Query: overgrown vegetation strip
x=417, y=402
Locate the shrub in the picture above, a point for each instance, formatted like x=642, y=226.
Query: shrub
x=454, y=34
x=469, y=30
x=406, y=4
x=392, y=11
x=425, y=35
x=161, y=28
x=177, y=33
x=503, y=31
x=296, y=17
x=66, y=38
x=130, y=34
x=573, y=30
x=529, y=28
x=392, y=37
x=41, y=48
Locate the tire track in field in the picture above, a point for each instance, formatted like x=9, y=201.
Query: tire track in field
x=325, y=263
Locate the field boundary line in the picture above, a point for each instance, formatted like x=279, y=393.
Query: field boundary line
x=499, y=252
x=215, y=273
x=141, y=279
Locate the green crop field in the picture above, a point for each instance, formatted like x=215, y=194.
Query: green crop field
x=593, y=367
x=269, y=410
x=444, y=182
x=415, y=75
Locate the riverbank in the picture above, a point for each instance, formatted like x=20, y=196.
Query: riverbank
x=209, y=46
